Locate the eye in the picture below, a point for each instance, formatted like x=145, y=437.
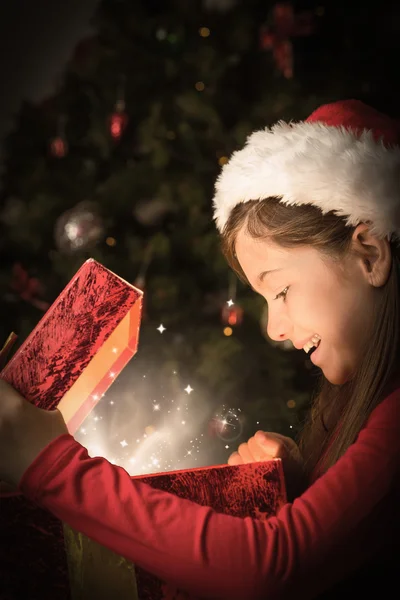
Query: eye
x=282, y=294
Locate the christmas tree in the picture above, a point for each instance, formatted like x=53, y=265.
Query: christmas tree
x=119, y=165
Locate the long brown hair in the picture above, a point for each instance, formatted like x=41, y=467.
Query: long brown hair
x=338, y=412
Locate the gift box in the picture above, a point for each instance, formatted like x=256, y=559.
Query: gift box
x=68, y=362
x=70, y=359
x=254, y=490
x=80, y=345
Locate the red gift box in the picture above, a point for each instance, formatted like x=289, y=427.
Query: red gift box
x=254, y=490
x=81, y=344
x=70, y=359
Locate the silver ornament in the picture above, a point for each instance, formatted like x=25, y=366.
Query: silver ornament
x=79, y=228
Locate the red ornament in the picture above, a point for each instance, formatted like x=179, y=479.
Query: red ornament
x=118, y=122
x=283, y=55
x=288, y=24
x=267, y=39
x=232, y=315
x=27, y=288
x=285, y=25
x=58, y=147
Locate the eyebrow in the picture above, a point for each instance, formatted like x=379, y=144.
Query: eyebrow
x=261, y=276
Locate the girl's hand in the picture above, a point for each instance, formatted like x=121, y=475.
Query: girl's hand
x=264, y=446
x=25, y=431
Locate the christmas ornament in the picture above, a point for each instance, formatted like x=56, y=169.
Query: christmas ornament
x=227, y=424
x=79, y=228
x=232, y=314
x=59, y=145
x=119, y=118
x=27, y=288
x=285, y=24
x=118, y=121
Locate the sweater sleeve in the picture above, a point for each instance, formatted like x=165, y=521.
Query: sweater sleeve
x=214, y=555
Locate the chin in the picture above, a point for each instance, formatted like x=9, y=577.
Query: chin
x=337, y=377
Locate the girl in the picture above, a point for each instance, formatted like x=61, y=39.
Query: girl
x=310, y=217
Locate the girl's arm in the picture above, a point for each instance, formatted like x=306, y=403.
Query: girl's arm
x=337, y=524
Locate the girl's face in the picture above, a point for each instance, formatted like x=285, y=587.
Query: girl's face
x=309, y=294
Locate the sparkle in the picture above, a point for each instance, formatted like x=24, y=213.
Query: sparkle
x=163, y=446
x=161, y=329
x=230, y=302
x=115, y=350
x=112, y=374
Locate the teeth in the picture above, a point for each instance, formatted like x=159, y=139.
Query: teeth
x=315, y=340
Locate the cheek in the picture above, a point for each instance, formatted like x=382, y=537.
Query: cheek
x=319, y=312
x=344, y=317
x=306, y=310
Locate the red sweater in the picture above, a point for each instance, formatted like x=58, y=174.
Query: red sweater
x=346, y=518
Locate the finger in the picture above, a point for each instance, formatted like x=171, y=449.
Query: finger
x=285, y=446
x=235, y=459
x=245, y=453
x=269, y=443
x=258, y=452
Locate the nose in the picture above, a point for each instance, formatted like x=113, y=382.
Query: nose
x=278, y=326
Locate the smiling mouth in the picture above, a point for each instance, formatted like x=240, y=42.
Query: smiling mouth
x=312, y=345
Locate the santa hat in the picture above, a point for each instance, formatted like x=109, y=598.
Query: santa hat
x=344, y=158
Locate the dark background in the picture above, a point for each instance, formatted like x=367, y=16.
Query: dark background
x=36, y=39
x=352, y=52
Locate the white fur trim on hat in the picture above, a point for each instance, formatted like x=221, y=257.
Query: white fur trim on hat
x=331, y=167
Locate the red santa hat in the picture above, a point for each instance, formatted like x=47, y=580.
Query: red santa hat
x=344, y=158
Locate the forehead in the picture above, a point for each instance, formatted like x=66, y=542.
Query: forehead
x=256, y=253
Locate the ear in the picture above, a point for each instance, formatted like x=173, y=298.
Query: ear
x=375, y=255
